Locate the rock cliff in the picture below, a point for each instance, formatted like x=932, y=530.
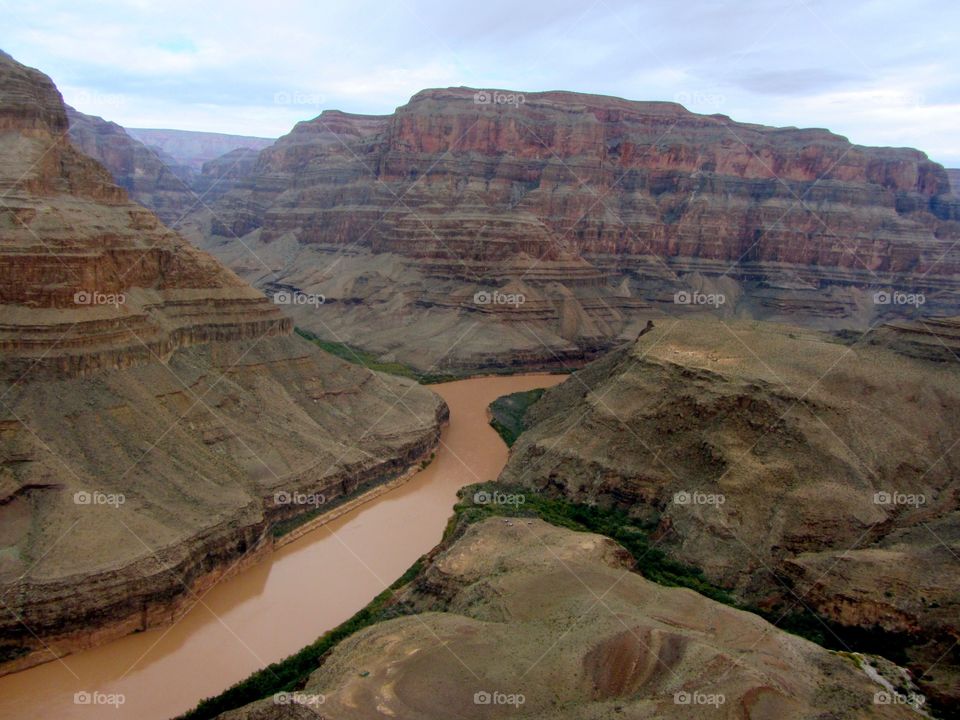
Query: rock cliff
x=150, y=179
x=809, y=476
x=476, y=228
x=157, y=417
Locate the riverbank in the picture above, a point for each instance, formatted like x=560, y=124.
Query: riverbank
x=273, y=608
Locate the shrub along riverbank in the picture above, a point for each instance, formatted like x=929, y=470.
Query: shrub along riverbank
x=508, y=412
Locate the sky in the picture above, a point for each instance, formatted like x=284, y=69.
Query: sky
x=878, y=72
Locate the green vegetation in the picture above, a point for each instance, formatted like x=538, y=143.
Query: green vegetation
x=371, y=361
x=291, y=673
x=509, y=411
x=11, y=652
x=615, y=524
x=654, y=565
x=834, y=636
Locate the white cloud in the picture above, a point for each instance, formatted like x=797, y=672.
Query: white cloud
x=878, y=72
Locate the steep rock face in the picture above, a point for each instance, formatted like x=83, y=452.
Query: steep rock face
x=171, y=186
x=798, y=471
x=152, y=404
x=149, y=178
x=555, y=620
x=594, y=209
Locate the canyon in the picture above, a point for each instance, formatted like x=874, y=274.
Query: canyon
x=495, y=229
x=159, y=419
x=163, y=427
x=194, y=149
x=166, y=171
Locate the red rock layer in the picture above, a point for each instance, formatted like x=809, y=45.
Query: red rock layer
x=88, y=279
x=606, y=179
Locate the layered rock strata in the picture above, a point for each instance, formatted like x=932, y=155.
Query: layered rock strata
x=157, y=418
x=809, y=476
x=426, y=225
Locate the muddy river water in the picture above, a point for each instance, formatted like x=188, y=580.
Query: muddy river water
x=276, y=607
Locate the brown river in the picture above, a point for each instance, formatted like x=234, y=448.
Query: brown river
x=276, y=607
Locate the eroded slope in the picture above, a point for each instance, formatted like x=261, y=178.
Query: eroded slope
x=524, y=608
x=152, y=404
x=803, y=473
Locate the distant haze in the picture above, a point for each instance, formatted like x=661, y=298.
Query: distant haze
x=195, y=148
x=881, y=73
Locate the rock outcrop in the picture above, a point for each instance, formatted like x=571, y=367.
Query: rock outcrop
x=527, y=620
x=931, y=338
x=157, y=418
x=222, y=174
x=473, y=229
x=804, y=474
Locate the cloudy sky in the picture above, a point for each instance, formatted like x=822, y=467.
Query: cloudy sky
x=877, y=71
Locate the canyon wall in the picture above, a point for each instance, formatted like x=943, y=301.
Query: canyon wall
x=473, y=228
x=150, y=179
x=158, y=418
x=954, y=175
x=169, y=186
